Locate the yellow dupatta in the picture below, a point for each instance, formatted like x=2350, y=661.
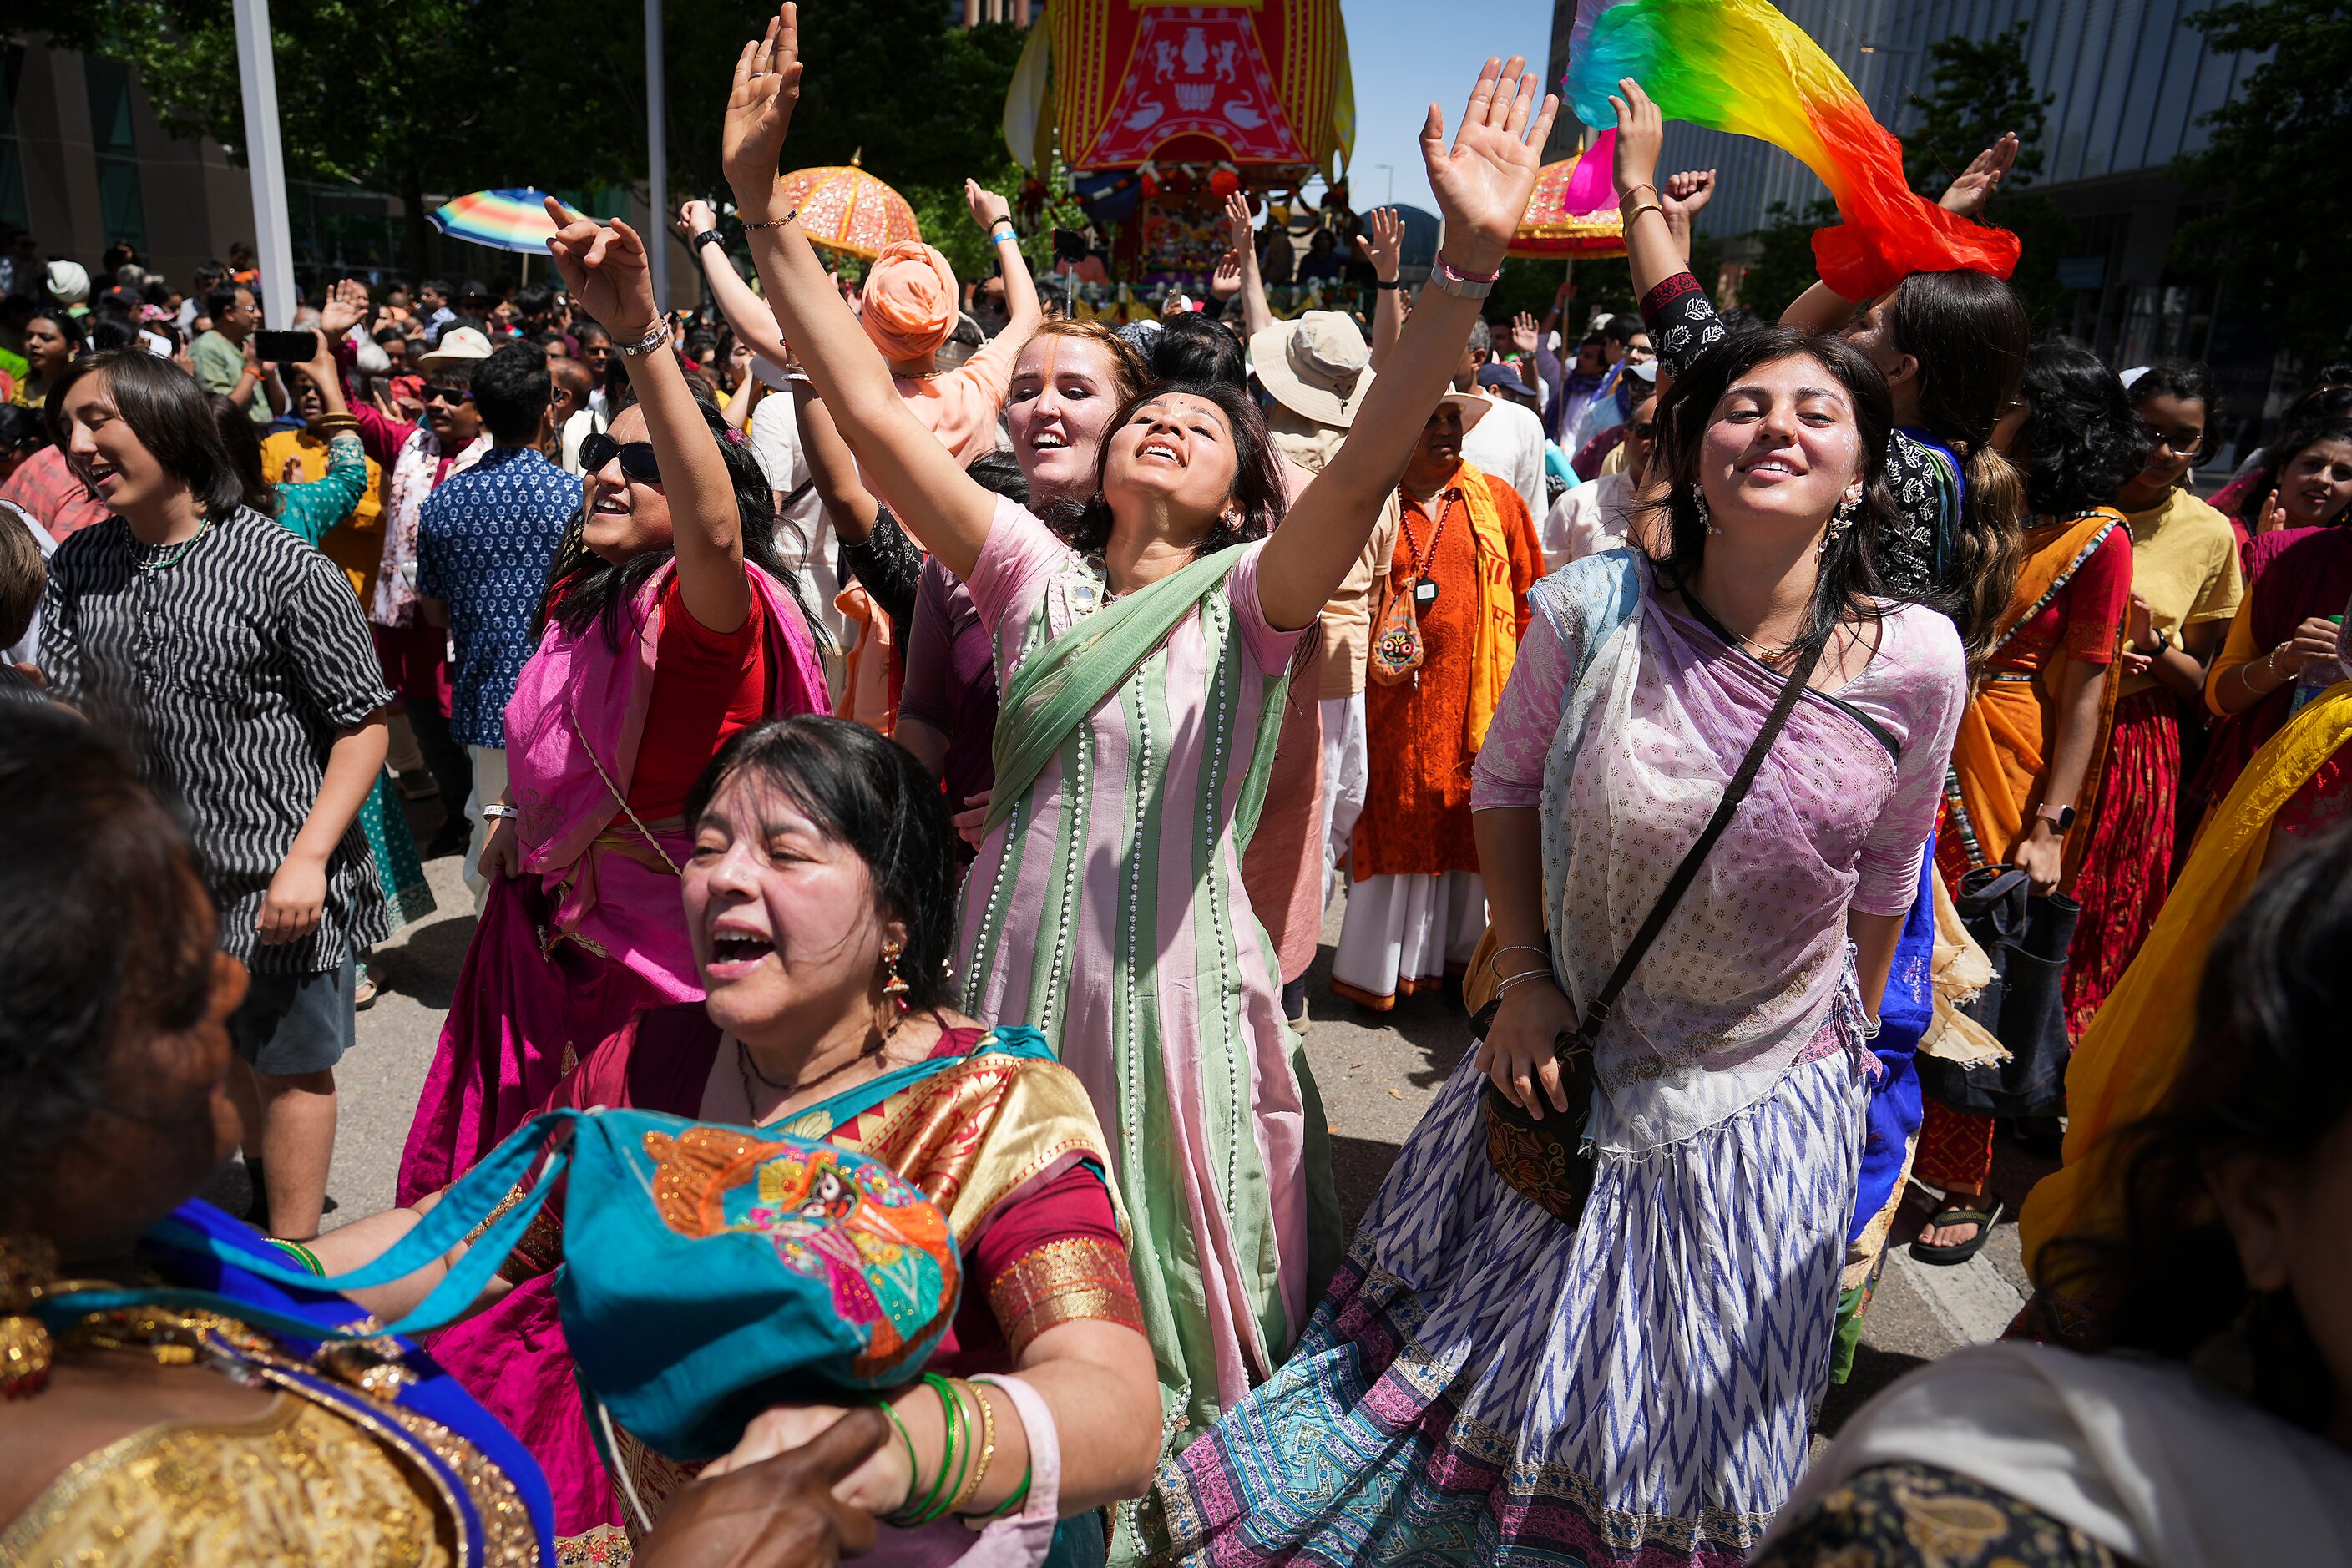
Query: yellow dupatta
x=2129, y=1056
x=2002, y=747
x=1497, y=642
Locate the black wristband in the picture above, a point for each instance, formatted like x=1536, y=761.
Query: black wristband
x=708, y=236
x=1392, y=283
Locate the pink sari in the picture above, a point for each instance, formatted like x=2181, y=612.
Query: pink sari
x=593, y=932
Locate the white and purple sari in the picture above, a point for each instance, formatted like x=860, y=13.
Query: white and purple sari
x=1485, y=1384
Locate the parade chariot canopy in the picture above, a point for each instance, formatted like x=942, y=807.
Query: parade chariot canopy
x=1262, y=85
x=845, y=209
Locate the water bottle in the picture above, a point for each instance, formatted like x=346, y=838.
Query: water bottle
x=2315, y=679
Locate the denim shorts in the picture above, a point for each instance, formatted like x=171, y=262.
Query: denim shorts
x=294, y=1024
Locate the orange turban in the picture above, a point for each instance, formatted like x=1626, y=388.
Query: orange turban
x=909, y=300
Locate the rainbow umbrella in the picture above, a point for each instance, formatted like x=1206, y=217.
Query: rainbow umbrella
x=504, y=220
x=1549, y=228
x=845, y=208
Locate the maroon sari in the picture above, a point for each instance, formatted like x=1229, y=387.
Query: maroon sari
x=2291, y=575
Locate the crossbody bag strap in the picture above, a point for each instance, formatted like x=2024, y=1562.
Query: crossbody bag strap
x=1596, y=1013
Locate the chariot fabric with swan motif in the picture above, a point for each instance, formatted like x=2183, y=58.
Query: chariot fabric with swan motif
x=1261, y=84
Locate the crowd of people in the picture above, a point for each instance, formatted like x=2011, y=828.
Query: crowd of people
x=898, y=733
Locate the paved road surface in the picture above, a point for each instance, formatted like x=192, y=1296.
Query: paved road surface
x=1376, y=1074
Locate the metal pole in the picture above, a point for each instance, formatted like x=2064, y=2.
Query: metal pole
x=257, y=71
x=657, y=154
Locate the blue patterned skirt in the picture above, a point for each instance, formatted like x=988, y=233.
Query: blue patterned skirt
x=1483, y=1383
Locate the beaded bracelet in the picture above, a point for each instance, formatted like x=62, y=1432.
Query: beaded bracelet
x=773, y=222
x=979, y=1471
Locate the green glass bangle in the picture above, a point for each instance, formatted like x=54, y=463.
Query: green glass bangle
x=934, y=1501
x=959, y=1454
x=301, y=1254
x=1019, y=1497
x=914, y=1467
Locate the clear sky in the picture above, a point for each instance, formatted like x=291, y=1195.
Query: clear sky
x=1406, y=53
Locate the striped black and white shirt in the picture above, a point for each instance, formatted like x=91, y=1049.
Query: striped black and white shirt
x=231, y=666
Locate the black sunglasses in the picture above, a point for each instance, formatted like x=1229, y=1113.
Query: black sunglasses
x=637, y=457
x=452, y=395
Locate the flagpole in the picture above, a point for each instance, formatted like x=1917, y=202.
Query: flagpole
x=264, y=159
x=657, y=156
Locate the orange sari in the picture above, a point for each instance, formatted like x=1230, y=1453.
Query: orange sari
x=2008, y=732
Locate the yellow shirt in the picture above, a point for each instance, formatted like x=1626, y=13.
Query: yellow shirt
x=358, y=544
x=2185, y=564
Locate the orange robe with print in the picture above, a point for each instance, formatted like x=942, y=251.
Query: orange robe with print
x=1416, y=817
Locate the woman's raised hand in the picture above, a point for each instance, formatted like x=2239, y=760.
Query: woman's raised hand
x=988, y=208
x=1641, y=136
x=604, y=266
x=760, y=110
x=1383, y=242
x=1483, y=183
x=694, y=217
x=1968, y=195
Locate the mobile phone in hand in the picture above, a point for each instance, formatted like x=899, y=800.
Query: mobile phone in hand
x=297, y=347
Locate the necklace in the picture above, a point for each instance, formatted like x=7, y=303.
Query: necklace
x=1764, y=653
x=747, y=1069
x=168, y=556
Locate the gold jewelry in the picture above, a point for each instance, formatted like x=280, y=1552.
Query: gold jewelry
x=979, y=1471
x=896, y=988
x=1640, y=210
x=28, y=1263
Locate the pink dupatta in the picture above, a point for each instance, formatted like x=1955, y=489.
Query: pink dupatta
x=594, y=929
x=572, y=731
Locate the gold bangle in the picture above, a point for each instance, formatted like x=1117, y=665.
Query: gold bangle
x=1639, y=210
x=979, y=1471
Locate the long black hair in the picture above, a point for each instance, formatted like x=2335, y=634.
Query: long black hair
x=1970, y=335
x=1257, y=490
x=1849, y=582
x=2084, y=436
x=167, y=411
x=583, y=587
x=2265, y=1075
x=104, y=925
x=870, y=795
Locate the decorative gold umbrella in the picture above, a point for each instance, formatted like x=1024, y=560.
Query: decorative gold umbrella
x=1550, y=229
x=845, y=208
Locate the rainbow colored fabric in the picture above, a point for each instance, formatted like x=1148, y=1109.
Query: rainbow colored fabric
x=1740, y=66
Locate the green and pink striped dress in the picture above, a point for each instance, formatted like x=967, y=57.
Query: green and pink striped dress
x=1106, y=909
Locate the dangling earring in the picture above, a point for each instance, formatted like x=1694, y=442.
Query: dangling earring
x=895, y=986
x=1842, y=521
x=1698, y=504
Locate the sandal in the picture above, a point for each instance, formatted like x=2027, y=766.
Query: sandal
x=364, y=993
x=1959, y=1251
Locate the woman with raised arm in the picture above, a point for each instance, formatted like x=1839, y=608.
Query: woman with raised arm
x=668, y=624
x=1144, y=666
x=1950, y=345
x=1613, y=1357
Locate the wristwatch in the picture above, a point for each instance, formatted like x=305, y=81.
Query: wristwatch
x=708, y=236
x=2059, y=817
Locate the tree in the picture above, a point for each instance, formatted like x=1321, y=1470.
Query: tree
x=447, y=95
x=2276, y=162
x=1976, y=92
x=1783, y=267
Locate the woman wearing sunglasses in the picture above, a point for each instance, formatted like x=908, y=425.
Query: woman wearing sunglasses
x=668, y=625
